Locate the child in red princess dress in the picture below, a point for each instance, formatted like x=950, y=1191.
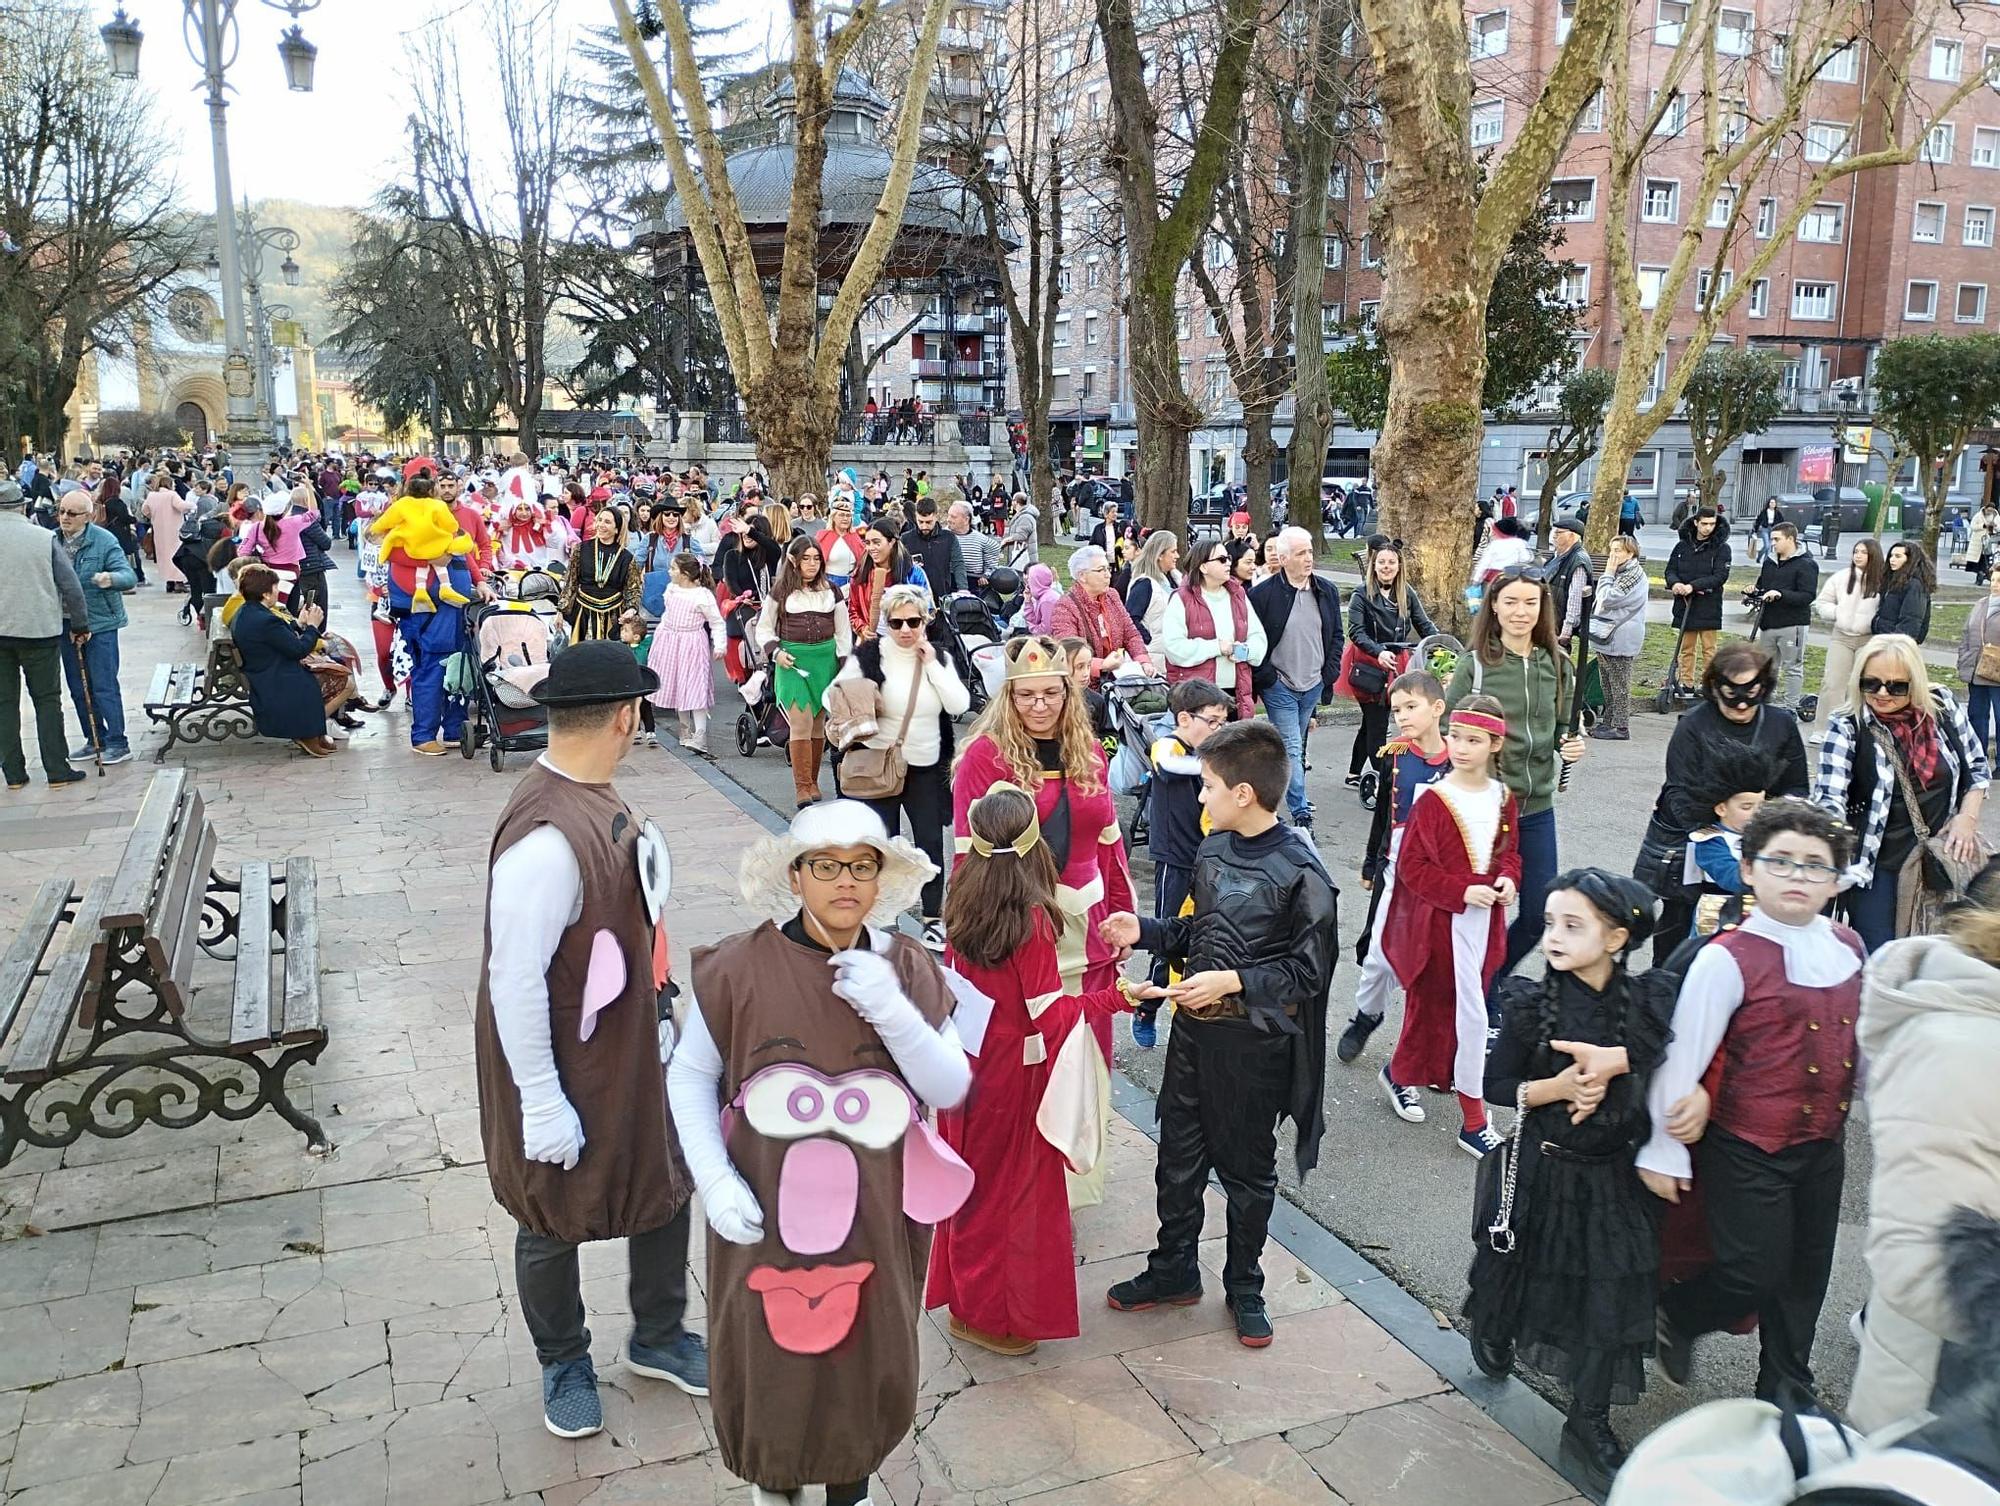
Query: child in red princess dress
x=1005, y=1263
x=1458, y=870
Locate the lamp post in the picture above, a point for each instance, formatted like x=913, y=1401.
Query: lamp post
x=253, y=241
x=212, y=36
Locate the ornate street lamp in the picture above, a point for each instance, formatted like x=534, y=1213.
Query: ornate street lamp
x=122, y=39
x=298, y=55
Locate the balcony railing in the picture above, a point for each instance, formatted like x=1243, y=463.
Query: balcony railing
x=976, y=428
x=727, y=427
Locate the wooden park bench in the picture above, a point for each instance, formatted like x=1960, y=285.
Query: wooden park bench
x=202, y=702
x=97, y=1034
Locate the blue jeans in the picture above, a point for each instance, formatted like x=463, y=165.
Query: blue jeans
x=1538, y=869
x=1984, y=711
x=100, y=658
x=1291, y=712
x=1871, y=910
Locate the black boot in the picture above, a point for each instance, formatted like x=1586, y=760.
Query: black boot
x=1591, y=1447
x=1355, y=1037
x=1494, y=1357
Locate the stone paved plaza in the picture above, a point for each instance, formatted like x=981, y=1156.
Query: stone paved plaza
x=212, y=1315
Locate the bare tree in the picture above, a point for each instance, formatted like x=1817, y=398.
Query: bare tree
x=88, y=227
x=788, y=363
x=1443, y=232
x=1162, y=229
x=1749, y=96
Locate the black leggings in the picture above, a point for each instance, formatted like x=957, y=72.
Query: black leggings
x=1369, y=737
x=926, y=800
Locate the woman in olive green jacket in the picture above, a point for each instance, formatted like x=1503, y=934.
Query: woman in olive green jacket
x=1513, y=657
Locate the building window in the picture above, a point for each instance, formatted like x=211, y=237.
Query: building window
x=1656, y=383
x=1369, y=258
x=1735, y=120
x=1767, y=218
x=1978, y=229
x=1574, y=199
x=1061, y=340
x=1643, y=476
x=1733, y=29
x=1489, y=34
x=1329, y=324
x=1181, y=369
x=1590, y=119
x=1927, y=224
x=1986, y=146
x=1760, y=298
x=1920, y=301
x=1971, y=306
x=1780, y=48
x=1670, y=21
x=1826, y=140
x=1365, y=311
x=1565, y=18
x=1989, y=67
x=1661, y=204
x=1842, y=67
x=1093, y=271
x=1812, y=300
x=1650, y=279
x=1213, y=328
x=1488, y=122
x=1090, y=329
x=1674, y=118
x=1722, y=209
x=1822, y=223
x=1703, y=282
x=1573, y=288
x=1335, y=253
x=1183, y=324
x=1089, y=387
x=1371, y=178
x=1336, y=183
x=1215, y=384
x=1947, y=58
x=1334, y=313
x=1938, y=143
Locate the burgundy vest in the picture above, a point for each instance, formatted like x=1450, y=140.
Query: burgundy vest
x=1788, y=1055
x=1201, y=624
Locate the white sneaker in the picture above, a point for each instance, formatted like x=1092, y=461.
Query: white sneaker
x=652, y=739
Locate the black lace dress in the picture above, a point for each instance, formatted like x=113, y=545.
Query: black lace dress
x=1578, y=1292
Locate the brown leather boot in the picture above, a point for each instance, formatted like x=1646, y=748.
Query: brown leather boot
x=819, y=757
x=805, y=771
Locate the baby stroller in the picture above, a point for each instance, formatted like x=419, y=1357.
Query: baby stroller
x=508, y=645
x=761, y=724
x=1135, y=707
x=972, y=635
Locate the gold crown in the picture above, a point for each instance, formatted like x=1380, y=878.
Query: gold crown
x=1036, y=657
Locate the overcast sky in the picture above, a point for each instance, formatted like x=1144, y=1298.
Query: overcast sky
x=339, y=143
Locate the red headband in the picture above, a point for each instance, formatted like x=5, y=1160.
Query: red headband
x=1483, y=721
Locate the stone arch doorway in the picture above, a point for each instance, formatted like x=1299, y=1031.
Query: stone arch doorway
x=189, y=416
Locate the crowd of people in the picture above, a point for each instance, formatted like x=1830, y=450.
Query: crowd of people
x=1676, y=1160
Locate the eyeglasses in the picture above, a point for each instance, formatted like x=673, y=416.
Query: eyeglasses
x=1220, y=719
x=906, y=622
x=71, y=512
x=1784, y=868
x=1872, y=686
x=1026, y=697
x=826, y=870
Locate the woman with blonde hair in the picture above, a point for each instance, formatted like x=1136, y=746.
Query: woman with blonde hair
x=1154, y=581
x=697, y=524
x=1036, y=735
x=1900, y=764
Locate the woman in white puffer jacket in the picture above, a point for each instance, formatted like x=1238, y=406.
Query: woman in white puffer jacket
x=1846, y=602
x=1929, y=1033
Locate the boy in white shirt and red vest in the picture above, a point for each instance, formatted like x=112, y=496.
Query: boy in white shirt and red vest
x=1765, y=1023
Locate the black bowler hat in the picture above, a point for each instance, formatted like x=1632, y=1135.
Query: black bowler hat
x=594, y=674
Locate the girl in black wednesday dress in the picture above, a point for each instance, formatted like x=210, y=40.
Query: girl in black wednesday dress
x=1574, y=1295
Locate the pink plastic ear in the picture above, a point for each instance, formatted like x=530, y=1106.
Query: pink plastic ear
x=936, y=1182
x=603, y=983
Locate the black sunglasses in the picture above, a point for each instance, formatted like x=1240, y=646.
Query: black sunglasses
x=1872, y=686
x=906, y=622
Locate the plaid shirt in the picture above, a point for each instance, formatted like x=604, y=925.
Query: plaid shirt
x=1836, y=773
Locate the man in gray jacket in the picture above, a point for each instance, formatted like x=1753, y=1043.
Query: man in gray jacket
x=43, y=599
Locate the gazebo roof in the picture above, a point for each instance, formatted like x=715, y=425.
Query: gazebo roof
x=851, y=90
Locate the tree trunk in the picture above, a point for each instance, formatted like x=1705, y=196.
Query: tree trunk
x=1259, y=450
x=1312, y=413
x=1433, y=319
x=1167, y=419
x=794, y=424
x=1625, y=432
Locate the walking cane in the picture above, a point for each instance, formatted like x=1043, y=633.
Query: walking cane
x=89, y=706
x=1582, y=669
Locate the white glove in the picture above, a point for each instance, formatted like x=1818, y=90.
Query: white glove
x=551, y=1132
x=733, y=1210
x=868, y=981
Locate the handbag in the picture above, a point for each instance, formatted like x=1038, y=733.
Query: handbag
x=878, y=773
x=1361, y=677
x=1497, y=1185
x=1930, y=878
x=1988, y=668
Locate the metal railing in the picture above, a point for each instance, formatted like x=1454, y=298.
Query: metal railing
x=727, y=427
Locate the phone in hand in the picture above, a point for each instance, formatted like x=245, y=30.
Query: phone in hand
x=1240, y=653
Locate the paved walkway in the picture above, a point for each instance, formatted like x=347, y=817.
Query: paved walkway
x=210, y=1315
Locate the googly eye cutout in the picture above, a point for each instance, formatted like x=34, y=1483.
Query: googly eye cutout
x=790, y=1102
x=656, y=870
